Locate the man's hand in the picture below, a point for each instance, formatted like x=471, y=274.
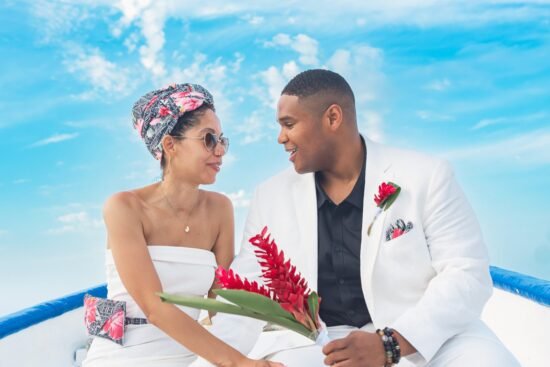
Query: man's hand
x=359, y=348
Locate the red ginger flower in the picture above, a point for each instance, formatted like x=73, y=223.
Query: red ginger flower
x=229, y=280
x=288, y=286
x=284, y=284
x=385, y=190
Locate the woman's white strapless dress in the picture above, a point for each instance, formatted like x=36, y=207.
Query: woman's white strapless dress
x=182, y=270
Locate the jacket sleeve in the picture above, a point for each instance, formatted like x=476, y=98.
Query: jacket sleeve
x=238, y=331
x=456, y=295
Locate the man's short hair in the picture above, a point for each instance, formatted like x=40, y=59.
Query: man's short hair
x=311, y=82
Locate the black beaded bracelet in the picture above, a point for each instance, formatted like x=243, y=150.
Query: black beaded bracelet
x=388, y=350
x=396, y=350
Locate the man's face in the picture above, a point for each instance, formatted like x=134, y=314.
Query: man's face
x=301, y=133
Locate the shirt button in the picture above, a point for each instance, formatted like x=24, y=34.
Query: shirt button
x=341, y=281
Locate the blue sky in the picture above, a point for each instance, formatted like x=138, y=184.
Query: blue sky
x=468, y=81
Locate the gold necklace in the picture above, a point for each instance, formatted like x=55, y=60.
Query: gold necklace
x=187, y=228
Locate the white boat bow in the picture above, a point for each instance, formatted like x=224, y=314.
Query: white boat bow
x=53, y=334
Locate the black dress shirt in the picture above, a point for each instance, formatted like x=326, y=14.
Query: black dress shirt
x=339, y=275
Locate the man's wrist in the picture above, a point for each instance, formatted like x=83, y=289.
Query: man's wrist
x=392, y=350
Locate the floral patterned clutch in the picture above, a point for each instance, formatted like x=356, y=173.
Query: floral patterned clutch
x=106, y=318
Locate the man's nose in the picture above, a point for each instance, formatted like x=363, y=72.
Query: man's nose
x=282, y=138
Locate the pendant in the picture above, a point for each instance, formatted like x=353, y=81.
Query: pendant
x=187, y=229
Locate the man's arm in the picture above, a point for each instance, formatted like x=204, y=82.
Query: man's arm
x=456, y=295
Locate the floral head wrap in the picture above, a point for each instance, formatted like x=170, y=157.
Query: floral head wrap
x=156, y=113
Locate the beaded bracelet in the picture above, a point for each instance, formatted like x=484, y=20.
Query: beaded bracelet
x=396, y=349
x=392, y=350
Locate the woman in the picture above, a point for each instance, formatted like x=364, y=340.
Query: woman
x=170, y=236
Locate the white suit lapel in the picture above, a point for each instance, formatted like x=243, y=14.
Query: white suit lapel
x=305, y=202
x=377, y=171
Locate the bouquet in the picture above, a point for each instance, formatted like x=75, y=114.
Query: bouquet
x=285, y=300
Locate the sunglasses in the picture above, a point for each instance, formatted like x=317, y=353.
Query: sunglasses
x=210, y=140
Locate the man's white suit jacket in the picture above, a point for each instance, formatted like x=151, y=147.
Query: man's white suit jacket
x=429, y=284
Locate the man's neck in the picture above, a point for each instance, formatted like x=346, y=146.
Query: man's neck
x=338, y=181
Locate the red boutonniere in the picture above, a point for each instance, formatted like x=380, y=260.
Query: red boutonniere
x=387, y=193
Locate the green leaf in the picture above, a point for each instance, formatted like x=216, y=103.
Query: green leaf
x=217, y=306
x=313, y=303
x=208, y=304
x=254, y=301
x=392, y=198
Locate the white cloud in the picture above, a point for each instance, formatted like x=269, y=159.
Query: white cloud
x=131, y=42
x=314, y=12
x=371, y=124
x=213, y=75
x=105, y=77
x=439, y=85
x=275, y=81
x=340, y=62
x=488, y=122
x=240, y=199
x=56, y=18
x=306, y=46
x=528, y=149
x=112, y=123
x=52, y=190
x=253, y=127
x=361, y=67
x=282, y=39
x=75, y=222
x=78, y=217
x=57, y=138
x=254, y=19
x=229, y=159
x=509, y=120
x=152, y=28
x=20, y=181
x=433, y=116
x=235, y=66
x=290, y=70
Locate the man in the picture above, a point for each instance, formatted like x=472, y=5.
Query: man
x=419, y=267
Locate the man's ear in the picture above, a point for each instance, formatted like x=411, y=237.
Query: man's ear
x=334, y=116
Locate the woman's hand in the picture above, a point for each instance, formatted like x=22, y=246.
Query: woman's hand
x=259, y=363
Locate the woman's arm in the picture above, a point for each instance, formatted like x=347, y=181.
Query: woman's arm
x=224, y=247
x=136, y=270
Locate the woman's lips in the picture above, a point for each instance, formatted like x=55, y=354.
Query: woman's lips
x=215, y=166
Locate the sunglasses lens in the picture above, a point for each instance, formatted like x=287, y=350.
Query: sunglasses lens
x=225, y=143
x=210, y=141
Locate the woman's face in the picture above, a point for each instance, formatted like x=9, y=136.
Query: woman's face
x=192, y=159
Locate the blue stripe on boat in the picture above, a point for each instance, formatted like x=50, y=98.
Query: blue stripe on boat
x=20, y=320
x=526, y=286
x=529, y=287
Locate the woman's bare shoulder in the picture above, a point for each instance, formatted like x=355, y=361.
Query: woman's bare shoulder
x=218, y=200
x=125, y=203
x=135, y=199
x=123, y=199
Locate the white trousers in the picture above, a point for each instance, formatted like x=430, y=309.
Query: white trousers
x=477, y=346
